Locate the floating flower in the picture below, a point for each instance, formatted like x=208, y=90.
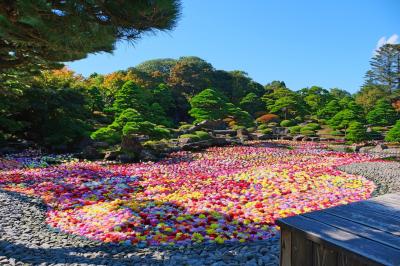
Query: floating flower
x=217, y=196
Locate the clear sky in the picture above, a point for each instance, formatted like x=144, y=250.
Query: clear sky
x=304, y=43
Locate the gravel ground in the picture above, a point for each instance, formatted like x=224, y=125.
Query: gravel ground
x=25, y=239
x=386, y=175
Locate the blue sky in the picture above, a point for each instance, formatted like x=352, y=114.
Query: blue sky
x=304, y=43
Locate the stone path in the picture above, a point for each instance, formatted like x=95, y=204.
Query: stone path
x=25, y=239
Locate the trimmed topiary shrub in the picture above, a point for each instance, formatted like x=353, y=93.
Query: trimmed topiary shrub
x=287, y=123
x=378, y=129
x=106, y=134
x=337, y=133
x=202, y=135
x=266, y=131
x=185, y=127
x=312, y=126
x=295, y=129
x=192, y=137
x=393, y=134
x=356, y=132
x=307, y=132
x=262, y=126
x=146, y=128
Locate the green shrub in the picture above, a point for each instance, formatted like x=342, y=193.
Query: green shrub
x=312, y=126
x=295, y=129
x=337, y=133
x=193, y=137
x=287, y=123
x=306, y=131
x=106, y=134
x=202, y=135
x=262, y=126
x=378, y=129
x=236, y=127
x=393, y=134
x=356, y=132
x=266, y=131
x=146, y=128
x=298, y=119
x=251, y=129
x=156, y=144
x=185, y=127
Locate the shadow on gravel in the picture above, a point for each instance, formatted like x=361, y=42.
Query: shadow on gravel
x=105, y=255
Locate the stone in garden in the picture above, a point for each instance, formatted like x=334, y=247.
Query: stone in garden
x=111, y=155
x=100, y=144
x=380, y=147
x=298, y=137
x=242, y=134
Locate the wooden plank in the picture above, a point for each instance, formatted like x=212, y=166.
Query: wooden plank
x=376, y=208
x=369, y=251
x=344, y=260
x=356, y=228
x=286, y=248
x=377, y=221
x=324, y=256
x=301, y=250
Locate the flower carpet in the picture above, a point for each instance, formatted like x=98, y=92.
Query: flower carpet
x=220, y=195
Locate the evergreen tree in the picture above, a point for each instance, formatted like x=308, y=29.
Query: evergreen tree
x=331, y=109
x=42, y=33
x=241, y=118
x=315, y=98
x=157, y=115
x=131, y=96
x=356, y=132
x=284, y=102
x=369, y=94
x=393, y=134
x=162, y=94
x=385, y=67
x=208, y=105
x=383, y=114
x=252, y=103
x=343, y=119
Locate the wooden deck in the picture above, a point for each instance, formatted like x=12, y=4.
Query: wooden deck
x=361, y=233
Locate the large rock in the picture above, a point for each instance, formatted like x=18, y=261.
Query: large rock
x=280, y=131
x=91, y=153
x=199, y=145
x=357, y=147
x=227, y=132
x=366, y=149
x=148, y=155
x=380, y=147
x=184, y=141
x=111, y=155
x=100, y=144
x=298, y=137
x=262, y=136
x=242, y=134
x=130, y=148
